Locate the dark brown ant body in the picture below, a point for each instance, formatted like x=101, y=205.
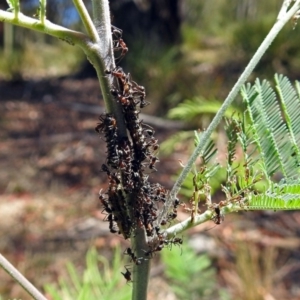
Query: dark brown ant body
x=111, y=224
x=118, y=43
x=127, y=275
x=219, y=217
x=136, y=260
x=153, y=160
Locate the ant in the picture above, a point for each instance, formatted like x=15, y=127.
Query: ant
x=136, y=260
x=176, y=203
x=117, y=32
x=153, y=160
x=111, y=224
x=107, y=121
x=175, y=241
x=219, y=217
x=120, y=45
x=153, y=143
x=127, y=275
x=150, y=252
x=159, y=245
x=163, y=222
x=172, y=215
x=150, y=131
x=118, y=73
x=105, y=204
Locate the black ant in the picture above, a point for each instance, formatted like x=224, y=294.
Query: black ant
x=111, y=224
x=105, y=204
x=136, y=260
x=127, y=275
x=117, y=32
x=172, y=215
x=219, y=217
x=150, y=252
x=163, y=222
x=176, y=203
x=174, y=241
x=153, y=160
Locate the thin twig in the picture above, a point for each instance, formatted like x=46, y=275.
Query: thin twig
x=199, y=219
x=86, y=19
x=18, y=277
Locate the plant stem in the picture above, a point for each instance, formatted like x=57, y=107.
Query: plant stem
x=199, y=219
x=43, y=5
x=140, y=272
x=70, y=36
x=101, y=19
x=282, y=19
x=86, y=19
x=104, y=50
x=18, y=277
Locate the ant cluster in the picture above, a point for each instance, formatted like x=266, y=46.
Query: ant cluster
x=131, y=201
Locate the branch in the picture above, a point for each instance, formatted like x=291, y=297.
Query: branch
x=18, y=277
x=86, y=19
x=104, y=50
x=70, y=36
x=199, y=219
x=281, y=21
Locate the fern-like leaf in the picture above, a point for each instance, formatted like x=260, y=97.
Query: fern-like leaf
x=276, y=131
x=209, y=150
x=291, y=107
x=281, y=196
x=271, y=132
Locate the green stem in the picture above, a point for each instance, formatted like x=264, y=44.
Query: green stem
x=86, y=19
x=101, y=19
x=70, y=36
x=17, y=8
x=43, y=4
x=199, y=219
x=104, y=50
x=282, y=19
x=102, y=22
x=140, y=272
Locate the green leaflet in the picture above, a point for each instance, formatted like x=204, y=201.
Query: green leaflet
x=274, y=202
x=276, y=131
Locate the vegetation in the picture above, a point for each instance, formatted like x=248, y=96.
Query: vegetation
x=99, y=280
x=143, y=211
